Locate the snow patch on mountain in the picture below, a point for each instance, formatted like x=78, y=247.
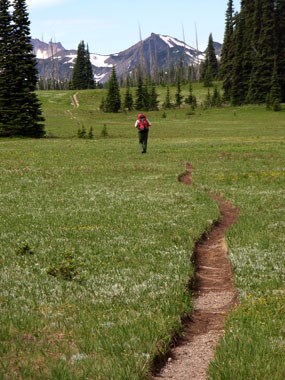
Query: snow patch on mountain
x=157, y=52
x=42, y=54
x=172, y=42
x=100, y=60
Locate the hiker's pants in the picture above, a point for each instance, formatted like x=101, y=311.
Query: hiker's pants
x=143, y=136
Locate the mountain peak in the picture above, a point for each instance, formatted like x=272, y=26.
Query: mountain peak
x=45, y=50
x=156, y=52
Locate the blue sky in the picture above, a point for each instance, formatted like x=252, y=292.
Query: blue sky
x=110, y=26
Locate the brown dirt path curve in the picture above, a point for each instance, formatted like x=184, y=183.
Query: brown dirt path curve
x=214, y=297
x=74, y=100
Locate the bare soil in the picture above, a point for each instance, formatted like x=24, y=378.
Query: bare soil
x=214, y=297
x=74, y=100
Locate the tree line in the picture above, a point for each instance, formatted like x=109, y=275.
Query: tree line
x=145, y=97
x=253, y=54
x=252, y=68
x=252, y=65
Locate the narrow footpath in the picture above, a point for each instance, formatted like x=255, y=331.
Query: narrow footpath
x=214, y=297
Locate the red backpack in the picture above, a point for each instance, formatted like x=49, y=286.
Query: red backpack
x=143, y=123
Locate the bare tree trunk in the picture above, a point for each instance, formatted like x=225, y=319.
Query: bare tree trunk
x=198, y=60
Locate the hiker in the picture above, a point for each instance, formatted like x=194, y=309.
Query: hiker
x=142, y=124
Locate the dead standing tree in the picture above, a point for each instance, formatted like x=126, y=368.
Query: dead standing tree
x=142, y=59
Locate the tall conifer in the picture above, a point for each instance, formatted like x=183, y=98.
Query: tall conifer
x=274, y=97
x=167, y=104
x=258, y=54
x=90, y=83
x=211, y=57
x=237, y=81
x=113, y=99
x=246, y=14
x=264, y=44
x=29, y=120
x=128, y=103
x=227, y=53
x=82, y=74
x=254, y=95
x=5, y=66
x=77, y=81
x=178, y=95
x=268, y=43
x=153, y=102
x=24, y=116
x=209, y=68
x=280, y=33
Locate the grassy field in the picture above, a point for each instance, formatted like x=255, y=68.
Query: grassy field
x=96, y=239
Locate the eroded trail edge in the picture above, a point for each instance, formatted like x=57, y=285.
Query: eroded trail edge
x=214, y=297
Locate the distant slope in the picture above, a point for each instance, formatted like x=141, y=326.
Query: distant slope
x=155, y=53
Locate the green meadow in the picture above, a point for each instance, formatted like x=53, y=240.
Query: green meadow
x=96, y=239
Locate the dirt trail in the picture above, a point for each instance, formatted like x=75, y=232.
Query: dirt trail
x=214, y=298
x=74, y=100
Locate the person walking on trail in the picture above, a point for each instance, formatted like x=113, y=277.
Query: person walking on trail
x=142, y=124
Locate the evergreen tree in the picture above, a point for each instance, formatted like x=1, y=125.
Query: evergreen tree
x=89, y=77
x=128, y=103
x=280, y=34
x=191, y=99
x=268, y=41
x=274, y=97
x=24, y=116
x=142, y=93
x=257, y=42
x=208, y=77
x=253, y=91
x=208, y=100
x=167, y=104
x=238, y=92
x=216, y=100
x=178, y=96
x=227, y=53
x=190, y=75
x=6, y=60
x=211, y=59
x=153, y=102
x=113, y=99
x=264, y=43
x=81, y=70
x=202, y=70
x=246, y=33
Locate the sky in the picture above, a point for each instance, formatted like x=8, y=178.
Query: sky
x=111, y=26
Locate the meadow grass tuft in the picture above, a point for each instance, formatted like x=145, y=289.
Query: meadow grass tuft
x=96, y=239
